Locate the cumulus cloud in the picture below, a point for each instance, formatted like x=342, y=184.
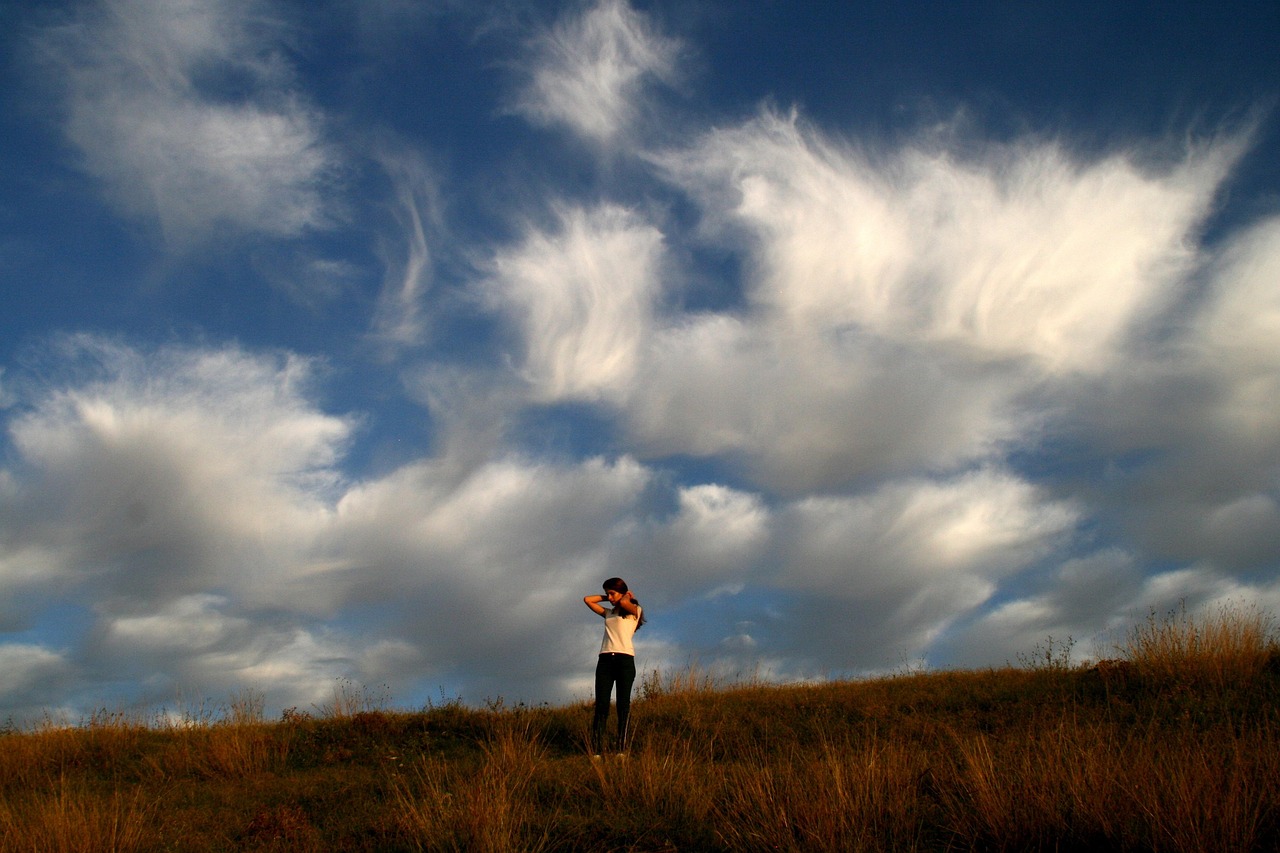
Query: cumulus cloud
x=806, y=411
x=210, y=647
x=710, y=537
x=981, y=525
x=1089, y=606
x=32, y=678
x=1236, y=334
x=887, y=572
x=172, y=472
x=717, y=530
x=186, y=112
x=1080, y=606
x=1184, y=433
x=175, y=491
x=589, y=72
x=188, y=501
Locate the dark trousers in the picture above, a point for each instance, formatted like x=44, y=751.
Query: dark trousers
x=613, y=669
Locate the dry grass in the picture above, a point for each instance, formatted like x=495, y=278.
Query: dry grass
x=1096, y=785
x=67, y=816
x=836, y=796
x=1218, y=648
x=450, y=805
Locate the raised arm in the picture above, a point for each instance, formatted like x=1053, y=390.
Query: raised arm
x=627, y=604
x=593, y=601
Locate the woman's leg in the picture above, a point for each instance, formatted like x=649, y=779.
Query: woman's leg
x=626, y=676
x=604, y=686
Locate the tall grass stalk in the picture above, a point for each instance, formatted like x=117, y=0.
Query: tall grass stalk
x=487, y=809
x=1216, y=648
x=236, y=743
x=68, y=817
x=838, y=797
x=1096, y=785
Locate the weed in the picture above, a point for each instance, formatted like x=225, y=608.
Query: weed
x=1053, y=655
x=350, y=699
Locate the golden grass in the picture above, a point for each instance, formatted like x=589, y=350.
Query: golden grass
x=67, y=816
x=1229, y=643
x=1149, y=789
x=446, y=805
x=836, y=797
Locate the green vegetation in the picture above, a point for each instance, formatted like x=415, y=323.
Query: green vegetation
x=1173, y=746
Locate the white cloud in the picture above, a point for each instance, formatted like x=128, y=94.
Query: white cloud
x=919, y=332
x=589, y=72
x=185, y=111
x=909, y=535
x=1024, y=253
x=1189, y=426
x=872, y=580
x=399, y=317
x=29, y=671
x=715, y=537
x=1090, y=605
x=483, y=569
x=453, y=541
x=718, y=527
x=166, y=473
x=1236, y=334
x=910, y=311
x=1085, y=601
x=582, y=299
x=812, y=411
x=190, y=623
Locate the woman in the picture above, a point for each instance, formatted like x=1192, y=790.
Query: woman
x=617, y=662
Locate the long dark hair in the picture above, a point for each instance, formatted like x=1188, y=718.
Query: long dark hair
x=619, y=585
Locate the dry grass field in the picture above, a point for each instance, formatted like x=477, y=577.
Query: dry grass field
x=1172, y=746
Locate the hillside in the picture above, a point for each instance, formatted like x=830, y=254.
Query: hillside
x=1174, y=746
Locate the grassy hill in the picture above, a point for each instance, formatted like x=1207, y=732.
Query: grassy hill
x=1175, y=745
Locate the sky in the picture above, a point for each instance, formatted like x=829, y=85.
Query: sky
x=349, y=345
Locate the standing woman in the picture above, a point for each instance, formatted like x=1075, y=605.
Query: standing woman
x=617, y=663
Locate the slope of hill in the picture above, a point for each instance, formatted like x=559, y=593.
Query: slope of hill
x=1175, y=745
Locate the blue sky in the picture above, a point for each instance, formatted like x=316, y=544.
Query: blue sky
x=355, y=343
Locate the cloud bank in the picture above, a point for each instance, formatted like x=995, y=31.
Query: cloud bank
x=951, y=394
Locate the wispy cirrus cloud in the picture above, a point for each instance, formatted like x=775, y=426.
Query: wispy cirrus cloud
x=589, y=72
x=400, y=316
x=1025, y=252
x=581, y=298
x=187, y=113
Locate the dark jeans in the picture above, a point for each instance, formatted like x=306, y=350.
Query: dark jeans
x=611, y=669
